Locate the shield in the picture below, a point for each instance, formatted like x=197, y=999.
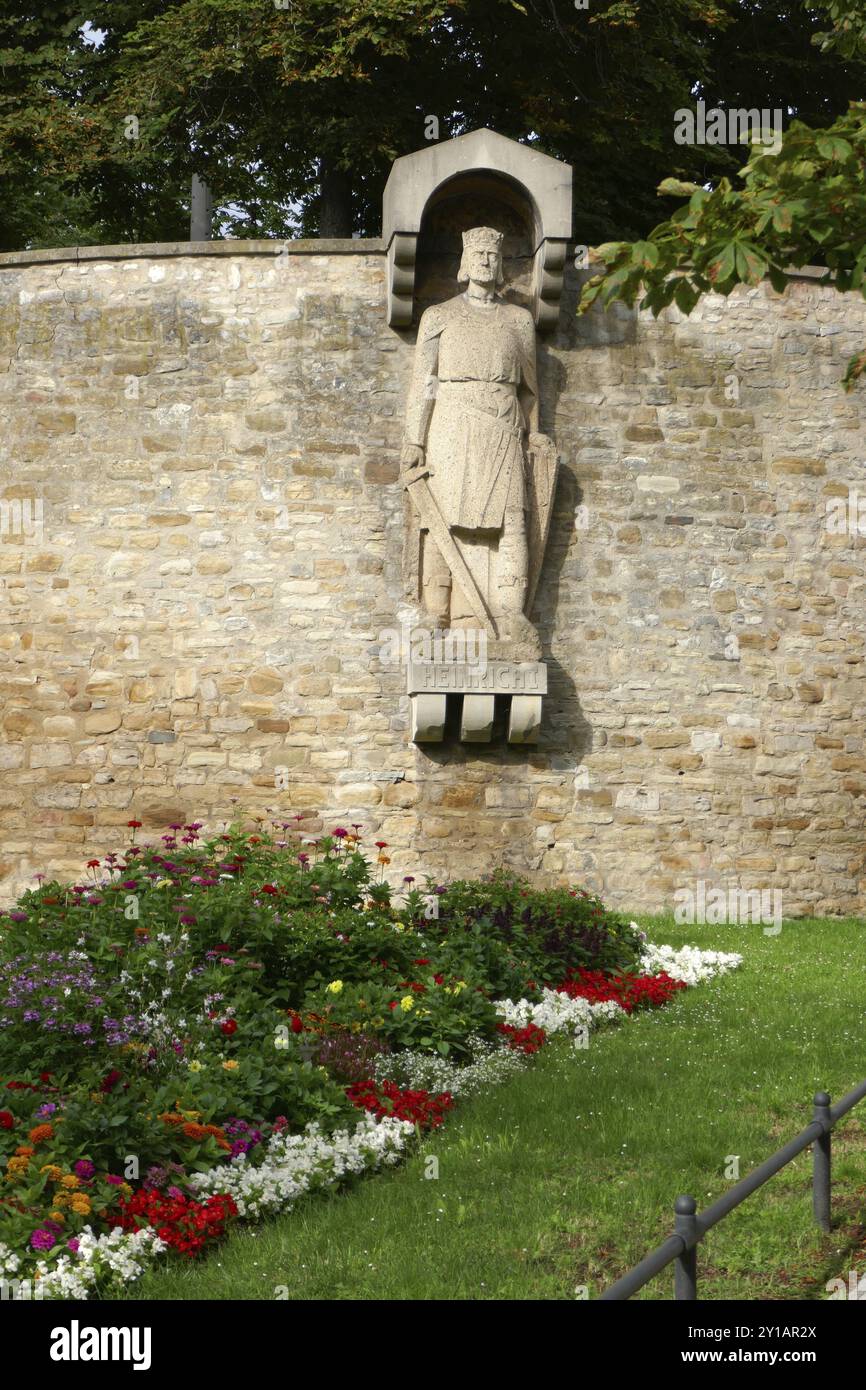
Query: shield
x=542, y=468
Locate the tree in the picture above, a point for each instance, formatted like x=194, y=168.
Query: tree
x=805, y=205
x=293, y=110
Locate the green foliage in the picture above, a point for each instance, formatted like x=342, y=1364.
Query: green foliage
x=804, y=205
x=268, y=104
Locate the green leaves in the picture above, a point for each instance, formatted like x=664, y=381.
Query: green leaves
x=805, y=206
x=677, y=188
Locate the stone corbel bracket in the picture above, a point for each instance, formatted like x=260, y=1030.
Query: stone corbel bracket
x=432, y=684
x=544, y=184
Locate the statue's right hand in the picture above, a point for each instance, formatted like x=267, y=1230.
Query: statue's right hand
x=412, y=457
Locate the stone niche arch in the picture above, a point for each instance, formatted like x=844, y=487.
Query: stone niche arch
x=432, y=196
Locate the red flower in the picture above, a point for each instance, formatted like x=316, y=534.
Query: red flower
x=183, y=1223
x=230, y=1026
x=45, y=1075
x=386, y=1098
x=268, y=888
x=93, y=863
x=134, y=824
x=381, y=844
x=6, y=1120
x=528, y=1039
x=629, y=991
x=109, y=1081
x=297, y=1025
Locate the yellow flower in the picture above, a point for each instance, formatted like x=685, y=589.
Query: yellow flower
x=97, y=1097
x=407, y=1003
x=378, y=1021
x=162, y=883
x=195, y=1066
x=54, y=1173
x=230, y=1066
x=335, y=986
x=57, y=1216
x=16, y=1166
x=62, y=1199
x=69, y=1180
x=356, y=1027
x=80, y=1203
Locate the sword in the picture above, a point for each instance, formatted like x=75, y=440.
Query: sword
x=432, y=519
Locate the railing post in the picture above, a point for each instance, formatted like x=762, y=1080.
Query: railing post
x=686, y=1265
x=821, y=1163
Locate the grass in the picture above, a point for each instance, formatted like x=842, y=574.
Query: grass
x=566, y=1175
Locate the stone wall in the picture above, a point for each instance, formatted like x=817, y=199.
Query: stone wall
x=192, y=625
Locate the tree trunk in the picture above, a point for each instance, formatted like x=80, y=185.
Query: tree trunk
x=335, y=201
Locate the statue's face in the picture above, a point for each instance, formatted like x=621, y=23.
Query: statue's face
x=483, y=264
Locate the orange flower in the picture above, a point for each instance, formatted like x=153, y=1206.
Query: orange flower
x=171, y=1118
x=41, y=1132
x=194, y=1131
x=25, y=1150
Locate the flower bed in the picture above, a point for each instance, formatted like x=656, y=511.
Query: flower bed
x=204, y=1030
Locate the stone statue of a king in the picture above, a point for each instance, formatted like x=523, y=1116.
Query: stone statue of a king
x=479, y=473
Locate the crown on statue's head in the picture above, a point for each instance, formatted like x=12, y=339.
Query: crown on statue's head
x=480, y=239
x=483, y=238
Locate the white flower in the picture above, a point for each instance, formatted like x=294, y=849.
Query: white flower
x=689, y=964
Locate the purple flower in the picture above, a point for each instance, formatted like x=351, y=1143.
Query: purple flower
x=18, y=916
x=84, y=1168
x=114, y=1179
x=42, y=1240
x=47, y=1109
x=73, y=1245
x=81, y=1030
x=32, y=1016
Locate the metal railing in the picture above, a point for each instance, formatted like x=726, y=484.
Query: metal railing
x=691, y=1225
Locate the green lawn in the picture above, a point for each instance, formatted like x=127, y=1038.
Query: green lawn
x=566, y=1175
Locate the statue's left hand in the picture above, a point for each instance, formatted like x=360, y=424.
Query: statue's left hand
x=540, y=441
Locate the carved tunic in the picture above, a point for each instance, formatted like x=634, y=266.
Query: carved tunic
x=474, y=370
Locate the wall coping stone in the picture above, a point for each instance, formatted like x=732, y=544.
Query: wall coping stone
x=159, y=250
x=302, y=246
